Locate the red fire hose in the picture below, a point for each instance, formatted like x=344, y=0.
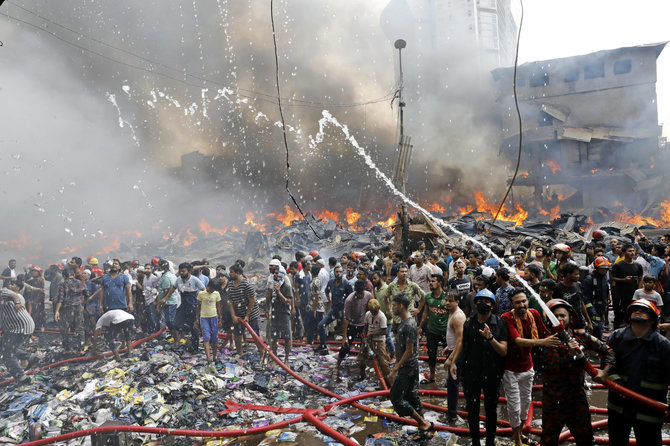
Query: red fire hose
x=310, y=414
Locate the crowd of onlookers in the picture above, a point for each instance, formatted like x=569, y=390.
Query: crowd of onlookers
x=472, y=304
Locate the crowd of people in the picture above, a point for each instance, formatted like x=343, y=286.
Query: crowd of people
x=481, y=313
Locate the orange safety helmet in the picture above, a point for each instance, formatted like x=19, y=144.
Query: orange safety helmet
x=647, y=305
x=602, y=262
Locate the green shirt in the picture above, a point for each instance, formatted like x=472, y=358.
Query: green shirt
x=411, y=290
x=438, y=314
x=380, y=295
x=167, y=281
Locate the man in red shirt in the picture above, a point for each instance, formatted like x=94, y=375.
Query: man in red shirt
x=526, y=330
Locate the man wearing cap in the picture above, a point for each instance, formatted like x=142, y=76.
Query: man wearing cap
x=596, y=292
x=564, y=400
x=642, y=364
x=95, y=267
x=482, y=358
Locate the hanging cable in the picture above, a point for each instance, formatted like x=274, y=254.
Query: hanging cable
x=283, y=124
x=518, y=112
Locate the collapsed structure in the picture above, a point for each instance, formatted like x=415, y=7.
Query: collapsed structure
x=590, y=125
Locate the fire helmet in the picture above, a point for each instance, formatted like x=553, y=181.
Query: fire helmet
x=36, y=268
x=135, y=263
x=560, y=303
x=314, y=253
x=155, y=261
x=563, y=248
x=599, y=235
x=487, y=294
x=602, y=262
x=93, y=261
x=647, y=305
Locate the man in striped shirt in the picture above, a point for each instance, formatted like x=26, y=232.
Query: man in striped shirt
x=242, y=304
x=17, y=326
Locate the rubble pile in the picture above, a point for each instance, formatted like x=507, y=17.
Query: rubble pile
x=161, y=385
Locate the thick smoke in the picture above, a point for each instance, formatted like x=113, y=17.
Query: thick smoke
x=91, y=144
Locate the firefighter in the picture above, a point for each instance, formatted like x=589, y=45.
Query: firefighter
x=563, y=396
x=596, y=292
x=642, y=364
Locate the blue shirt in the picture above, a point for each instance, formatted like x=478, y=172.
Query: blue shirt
x=189, y=289
x=114, y=297
x=656, y=264
x=338, y=293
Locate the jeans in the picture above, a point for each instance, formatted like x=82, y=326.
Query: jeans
x=452, y=390
x=71, y=317
x=153, y=318
x=354, y=333
x=185, y=320
x=170, y=313
x=390, y=346
x=310, y=323
x=433, y=340
x=332, y=316
x=405, y=392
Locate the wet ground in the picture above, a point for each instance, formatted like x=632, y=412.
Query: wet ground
x=356, y=424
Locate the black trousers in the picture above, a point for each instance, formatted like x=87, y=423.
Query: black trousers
x=618, y=428
x=473, y=384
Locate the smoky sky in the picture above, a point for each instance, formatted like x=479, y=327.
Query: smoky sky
x=93, y=129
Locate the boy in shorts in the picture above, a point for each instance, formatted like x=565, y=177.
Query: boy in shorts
x=208, y=318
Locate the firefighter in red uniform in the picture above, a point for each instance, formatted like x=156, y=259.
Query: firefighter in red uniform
x=642, y=365
x=563, y=396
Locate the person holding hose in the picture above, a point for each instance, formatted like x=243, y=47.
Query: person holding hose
x=564, y=399
x=642, y=364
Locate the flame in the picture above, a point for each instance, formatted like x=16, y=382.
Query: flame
x=618, y=203
x=388, y=222
x=491, y=208
x=327, y=214
x=594, y=170
x=207, y=228
x=524, y=174
x=250, y=219
x=436, y=207
x=112, y=247
x=287, y=217
x=466, y=210
x=611, y=169
x=189, y=238
x=651, y=158
x=555, y=212
x=352, y=217
x=19, y=243
x=554, y=166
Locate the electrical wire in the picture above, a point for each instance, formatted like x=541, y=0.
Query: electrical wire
x=518, y=112
x=283, y=124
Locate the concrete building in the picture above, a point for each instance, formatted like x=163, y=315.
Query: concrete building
x=440, y=25
x=589, y=122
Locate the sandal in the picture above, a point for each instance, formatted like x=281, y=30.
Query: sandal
x=424, y=434
x=427, y=381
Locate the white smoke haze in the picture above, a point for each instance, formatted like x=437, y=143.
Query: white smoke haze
x=75, y=180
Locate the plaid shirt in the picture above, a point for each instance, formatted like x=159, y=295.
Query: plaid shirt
x=71, y=292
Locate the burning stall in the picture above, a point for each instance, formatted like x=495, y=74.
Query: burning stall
x=590, y=126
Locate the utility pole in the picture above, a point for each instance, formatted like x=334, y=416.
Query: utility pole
x=403, y=155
